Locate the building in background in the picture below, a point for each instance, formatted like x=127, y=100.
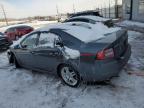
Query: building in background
x=133, y=10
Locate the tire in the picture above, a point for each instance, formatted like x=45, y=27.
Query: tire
x=10, y=58
x=69, y=76
x=16, y=62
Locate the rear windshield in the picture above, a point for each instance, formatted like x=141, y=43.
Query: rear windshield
x=81, y=20
x=86, y=13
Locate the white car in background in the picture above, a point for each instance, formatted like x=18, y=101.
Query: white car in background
x=97, y=27
x=91, y=19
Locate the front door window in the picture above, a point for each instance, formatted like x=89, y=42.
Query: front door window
x=30, y=41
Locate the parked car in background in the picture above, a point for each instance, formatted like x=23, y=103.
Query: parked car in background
x=4, y=42
x=1, y=34
x=85, y=13
x=14, y=33
x=72, y=52
x=91, y=19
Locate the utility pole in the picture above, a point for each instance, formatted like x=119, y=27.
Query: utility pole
x=105, y=10
x=4, y=14
x=116, y=9
x=101, y=10
x=131, y=10
x=109, y=9
x=57, y=13
x=74, y=8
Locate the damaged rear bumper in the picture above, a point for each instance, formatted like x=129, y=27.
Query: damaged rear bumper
x=105, y=69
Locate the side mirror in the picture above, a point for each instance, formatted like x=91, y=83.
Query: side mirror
x=17, y=47
x=60, y=44
x=24, y=46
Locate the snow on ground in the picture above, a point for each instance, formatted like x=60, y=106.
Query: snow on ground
x=132, y=25
x=21, y=88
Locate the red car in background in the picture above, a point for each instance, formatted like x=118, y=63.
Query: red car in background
x=14, y=33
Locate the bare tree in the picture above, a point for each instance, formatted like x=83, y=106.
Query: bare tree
x=4, y=14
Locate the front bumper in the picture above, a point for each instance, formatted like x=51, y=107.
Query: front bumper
x=105, y=69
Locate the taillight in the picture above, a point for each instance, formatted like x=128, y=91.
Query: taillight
x=100, y=55
x=107, y=53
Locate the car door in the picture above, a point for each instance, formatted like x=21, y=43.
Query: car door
x=10, y=33
x=25, y=54
x=47, y=55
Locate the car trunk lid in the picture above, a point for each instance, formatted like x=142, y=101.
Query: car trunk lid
x=117, y=40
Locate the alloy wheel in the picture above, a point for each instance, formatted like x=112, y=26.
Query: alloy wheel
x=70, y=76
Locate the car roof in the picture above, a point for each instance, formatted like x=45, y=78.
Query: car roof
x=82, y=32
x=91, y=17
x=18, y=26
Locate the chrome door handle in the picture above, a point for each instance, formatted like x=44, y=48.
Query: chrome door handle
x=33, y=52
x=53, y=53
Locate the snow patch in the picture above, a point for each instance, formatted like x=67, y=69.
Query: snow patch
x=83, y=31
x=86, y=34
x=70, y=53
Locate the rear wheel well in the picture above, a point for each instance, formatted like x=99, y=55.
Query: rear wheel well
x=12, y=57
x=58, y=68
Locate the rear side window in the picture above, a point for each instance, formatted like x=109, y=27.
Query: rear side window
x=47, y=39
x=67, y=42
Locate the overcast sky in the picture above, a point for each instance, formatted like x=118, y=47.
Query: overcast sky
x=25, y=8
